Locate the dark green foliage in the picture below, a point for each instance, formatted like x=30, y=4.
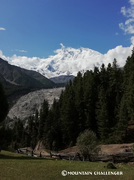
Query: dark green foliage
x=3, y=104
x=111, y=166
x=102, y=116
x=42, y=119
x=109, y=98
x=122, y=124
x=52, y=134
x=6, y=136
x=18, y=135
x=68, y=115
x=90, y=84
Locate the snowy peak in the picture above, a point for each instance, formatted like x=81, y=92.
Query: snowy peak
x=68, y=61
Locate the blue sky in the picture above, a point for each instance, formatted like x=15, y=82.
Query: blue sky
x=37, y=27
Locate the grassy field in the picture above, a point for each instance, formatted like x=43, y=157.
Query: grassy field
x=18, y=167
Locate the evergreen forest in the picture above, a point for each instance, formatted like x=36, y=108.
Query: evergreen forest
x=100, y=100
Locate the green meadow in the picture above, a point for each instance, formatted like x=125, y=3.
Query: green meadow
x=19, y=167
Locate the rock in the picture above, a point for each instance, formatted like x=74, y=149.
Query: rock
x=111, y=166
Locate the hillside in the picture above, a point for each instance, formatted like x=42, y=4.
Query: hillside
x=62, y=79
x=18, y=81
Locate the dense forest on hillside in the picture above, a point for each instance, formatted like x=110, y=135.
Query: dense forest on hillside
x=101, y=100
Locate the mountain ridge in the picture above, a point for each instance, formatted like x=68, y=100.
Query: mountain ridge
x=69, y=61
x=19, y=81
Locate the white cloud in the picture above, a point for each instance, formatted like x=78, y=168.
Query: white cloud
x=21, y=50
x=2, y=56
x=128, y=28
x=128, y=25
x=24, y=61
x=2, y=29
x=120, y=53
x=132, y=2
x=132, y=40
x=123, y=11
x=69, y=60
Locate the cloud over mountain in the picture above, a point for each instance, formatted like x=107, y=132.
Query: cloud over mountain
x=68, y=61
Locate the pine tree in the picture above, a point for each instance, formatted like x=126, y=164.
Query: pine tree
x=35, y=128
x=114, y=91
x=18, y=133
x=130, y=96
x=102, y=116
x=90, y=86
x=129, y=85
x=121, y=128
x=68, y=116
x=52, y=136
x=78, y=90
x=43, y=116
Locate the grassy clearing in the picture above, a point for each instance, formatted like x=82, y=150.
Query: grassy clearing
x=18, y=167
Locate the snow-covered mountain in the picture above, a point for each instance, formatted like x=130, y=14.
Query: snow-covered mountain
x=68, y=61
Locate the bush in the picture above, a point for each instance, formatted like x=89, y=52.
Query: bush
x=88, y=145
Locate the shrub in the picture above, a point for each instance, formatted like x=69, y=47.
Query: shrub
x=88, y=145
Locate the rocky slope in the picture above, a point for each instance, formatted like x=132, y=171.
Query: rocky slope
x=27, y=104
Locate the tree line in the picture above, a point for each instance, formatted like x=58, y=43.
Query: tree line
x=100, y=100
